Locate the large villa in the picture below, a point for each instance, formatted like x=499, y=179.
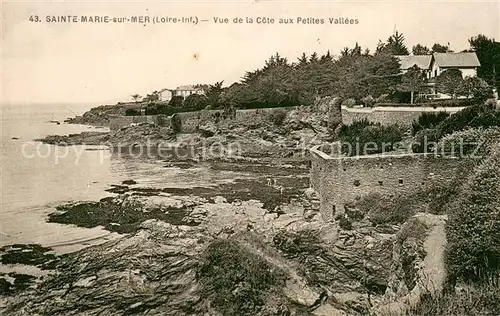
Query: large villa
x=435, y=64
x=166, y=95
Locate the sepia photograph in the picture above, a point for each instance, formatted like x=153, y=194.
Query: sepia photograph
x=253, y=157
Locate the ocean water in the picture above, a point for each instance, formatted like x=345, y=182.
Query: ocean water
x=36, y=177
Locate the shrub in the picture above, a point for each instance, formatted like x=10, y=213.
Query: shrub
x=353, y=212
x=472, y=141
x=472, y=230
x=449, y=82
x=349, y=103
x=344, y=222
x=364, y=138
x=462, y=119
x=475, y=88
x=428, y=120
x=387, y=210
x=422, y=99
x=473, y=300
x=439, y=194
x=152, y=109
x=195, y=102
x=132, y=112
x=236, y=281
x=368, y=101
x=277, y=117
x=488, y=118
x=382, y=98
x=426, y=141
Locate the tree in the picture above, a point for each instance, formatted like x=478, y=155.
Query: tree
x=449, y=82
x=396, y=45
x=380, y=46
x=356, y=51
x=313, y=58
x=438, y=48
x=303, y=59
x=153, y=97
x=214, y=91
x=420, y=50
x=176, y=101
x=136, y=97
x=326, y=58
x=476, y=88
x=195, y=102
x=412, y=81
x=488, y=53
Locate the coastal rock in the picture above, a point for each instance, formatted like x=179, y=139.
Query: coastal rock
x=207, y=129
x=129, y=182
x=143, y=134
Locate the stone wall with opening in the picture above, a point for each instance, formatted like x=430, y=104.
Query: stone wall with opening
x=341, y=180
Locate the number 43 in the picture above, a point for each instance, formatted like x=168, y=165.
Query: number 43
x=34, y=18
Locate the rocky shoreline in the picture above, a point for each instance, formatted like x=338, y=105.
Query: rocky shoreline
x=217, y=251
x=288, y=137
x=252, y=246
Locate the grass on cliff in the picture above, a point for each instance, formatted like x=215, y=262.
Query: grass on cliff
x=236, y=281
x=472, y=300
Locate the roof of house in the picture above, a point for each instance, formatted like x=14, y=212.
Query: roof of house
x=186, y=87
x=408, y=61
x=456, y=59
x=182, y=88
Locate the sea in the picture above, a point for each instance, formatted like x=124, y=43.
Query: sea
x=37, y=177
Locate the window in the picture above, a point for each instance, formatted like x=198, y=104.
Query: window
x=381, y=183
x=400, y=181
x=357, y=183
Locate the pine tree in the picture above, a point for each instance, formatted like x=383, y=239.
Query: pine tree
x=314, y=58
x=396, y=45
x=303, y=59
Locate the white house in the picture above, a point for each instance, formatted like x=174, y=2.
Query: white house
x=433, y=65
x=166, y=95
x=186, y=91
x=467, y=63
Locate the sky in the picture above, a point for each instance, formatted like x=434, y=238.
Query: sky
x=103, y=63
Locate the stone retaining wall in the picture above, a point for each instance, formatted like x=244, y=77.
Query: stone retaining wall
x=391, y=115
